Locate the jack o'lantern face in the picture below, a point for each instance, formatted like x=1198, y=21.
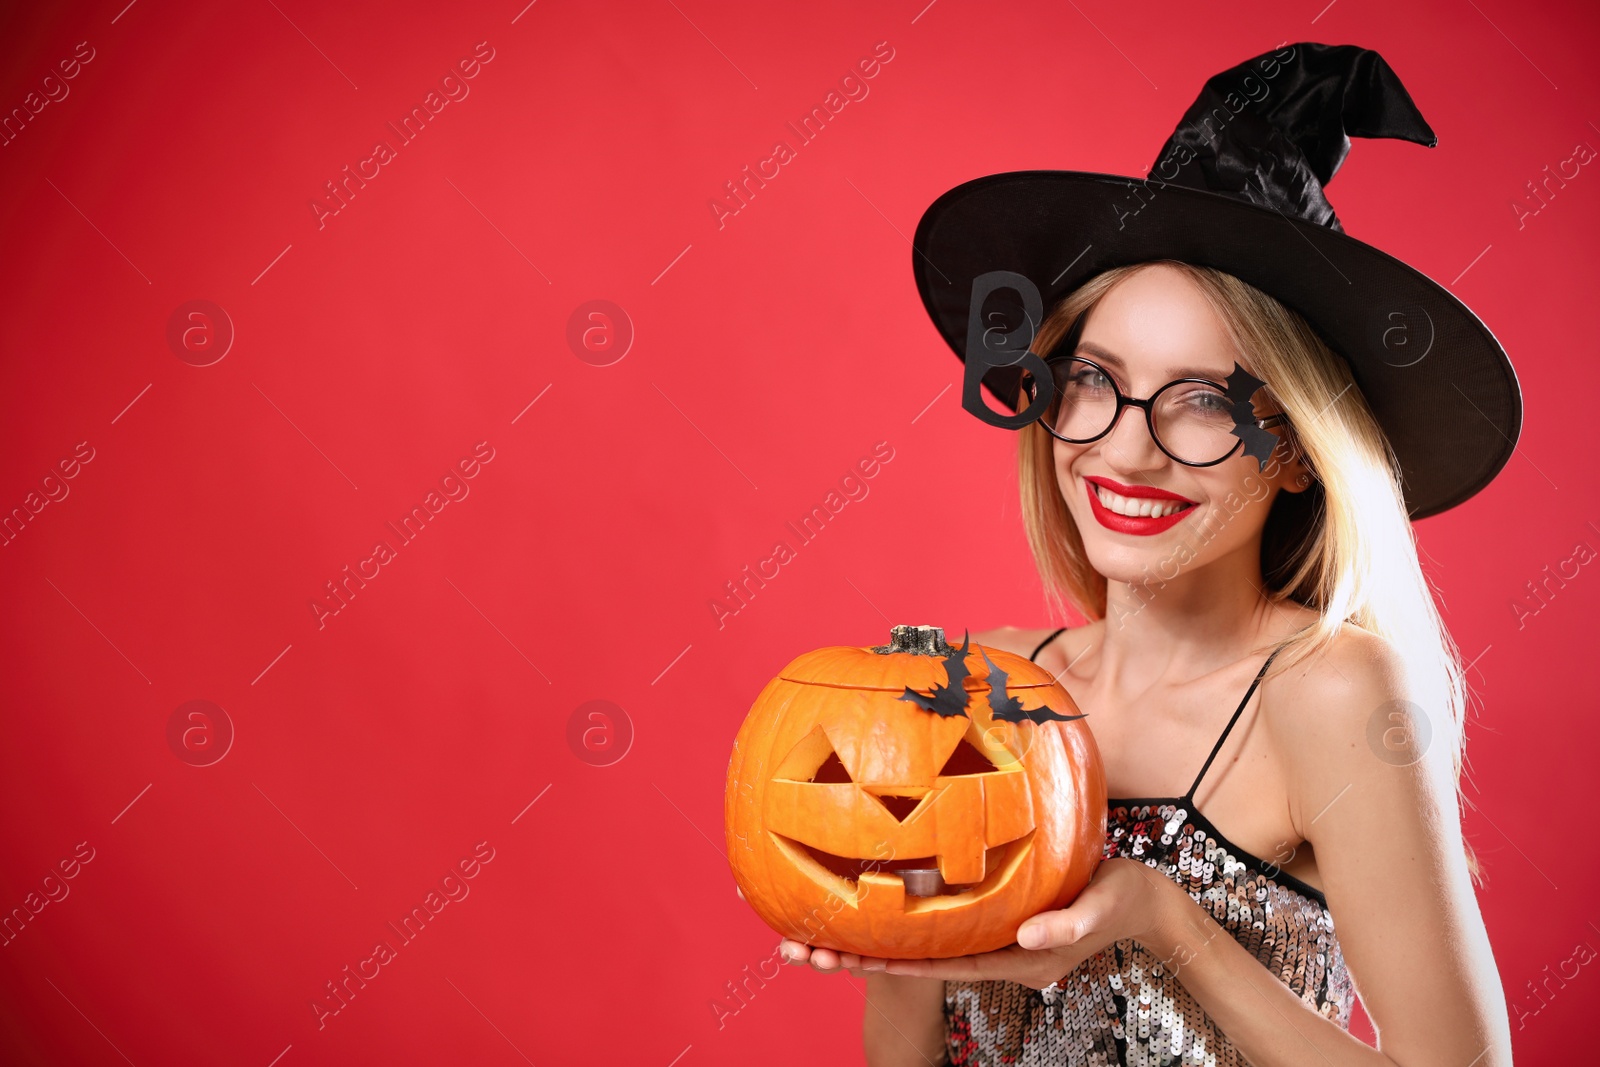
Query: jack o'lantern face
x=851, y=811
x=912, y=801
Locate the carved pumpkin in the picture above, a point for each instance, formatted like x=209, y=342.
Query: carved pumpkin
x=912, y=800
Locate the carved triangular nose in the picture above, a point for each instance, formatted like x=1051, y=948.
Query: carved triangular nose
x=900, y=807
x=901, y=801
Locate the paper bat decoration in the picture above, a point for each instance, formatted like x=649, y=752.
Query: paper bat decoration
x=1242, y=385
x=1009, y=708
x=951, y=698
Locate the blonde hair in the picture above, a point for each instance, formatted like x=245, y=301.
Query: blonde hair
x=1344, y=547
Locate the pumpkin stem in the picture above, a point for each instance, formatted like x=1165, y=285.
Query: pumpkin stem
x=917, y=640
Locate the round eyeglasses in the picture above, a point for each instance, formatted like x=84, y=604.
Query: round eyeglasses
x=1191, y=420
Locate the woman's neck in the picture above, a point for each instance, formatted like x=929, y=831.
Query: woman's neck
x=1194, y=623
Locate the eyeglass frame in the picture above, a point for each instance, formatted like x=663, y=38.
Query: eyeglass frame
x=1148, y=405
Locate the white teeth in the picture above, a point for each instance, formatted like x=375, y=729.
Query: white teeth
x=1137, y=507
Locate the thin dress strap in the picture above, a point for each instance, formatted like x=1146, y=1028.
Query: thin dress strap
x=1046, y=641
x=1248, y=693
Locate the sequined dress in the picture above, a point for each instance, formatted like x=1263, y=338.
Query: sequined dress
x=1124, y=1005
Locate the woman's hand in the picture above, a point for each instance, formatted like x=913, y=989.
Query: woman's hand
x=1125, y=899
x=825, y=960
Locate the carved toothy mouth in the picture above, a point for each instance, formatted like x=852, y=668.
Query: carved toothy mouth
x=855, y=879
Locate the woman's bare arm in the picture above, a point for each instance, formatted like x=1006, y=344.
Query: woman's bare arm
x=904, y=1021
x=1387, y=841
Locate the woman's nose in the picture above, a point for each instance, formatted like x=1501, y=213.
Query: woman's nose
x=1129, y=446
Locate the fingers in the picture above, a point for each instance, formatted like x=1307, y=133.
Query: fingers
x=849, y=961
x=827, y=960
x=819, y=959
x=921, y=968
x=1058, y=929
x=1006, y=963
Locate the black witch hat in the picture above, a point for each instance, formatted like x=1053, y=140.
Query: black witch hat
x=1239, y=187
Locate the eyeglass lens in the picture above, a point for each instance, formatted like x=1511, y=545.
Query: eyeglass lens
x=1192, y=421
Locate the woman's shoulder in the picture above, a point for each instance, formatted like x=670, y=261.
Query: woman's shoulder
x=1353, y=662
x=1351, y=724
x=1013, y=639
x=1324, y=702
x=1023, y=641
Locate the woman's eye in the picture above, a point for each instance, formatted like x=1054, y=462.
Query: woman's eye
x=1206, y=402
x=1089, y=380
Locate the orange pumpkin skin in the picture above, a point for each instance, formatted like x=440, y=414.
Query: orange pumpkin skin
x=1021, y=837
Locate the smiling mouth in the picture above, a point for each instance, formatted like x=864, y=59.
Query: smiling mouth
x=1143, y=514
x=845, y=875
x=1137, y=507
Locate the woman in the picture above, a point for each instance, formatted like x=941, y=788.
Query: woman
x=1229, y=541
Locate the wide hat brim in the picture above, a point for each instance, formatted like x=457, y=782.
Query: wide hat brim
x=1439, y=384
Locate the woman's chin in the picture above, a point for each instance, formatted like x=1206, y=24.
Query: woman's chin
x=1137, y=560
x=1120, y=563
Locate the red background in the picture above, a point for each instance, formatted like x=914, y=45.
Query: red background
x=372, y=753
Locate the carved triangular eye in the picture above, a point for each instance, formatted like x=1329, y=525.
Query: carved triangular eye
x=967, y=759
x=832, y=770
x=813, y=760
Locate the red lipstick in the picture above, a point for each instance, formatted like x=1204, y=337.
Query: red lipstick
x=1142, y=525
